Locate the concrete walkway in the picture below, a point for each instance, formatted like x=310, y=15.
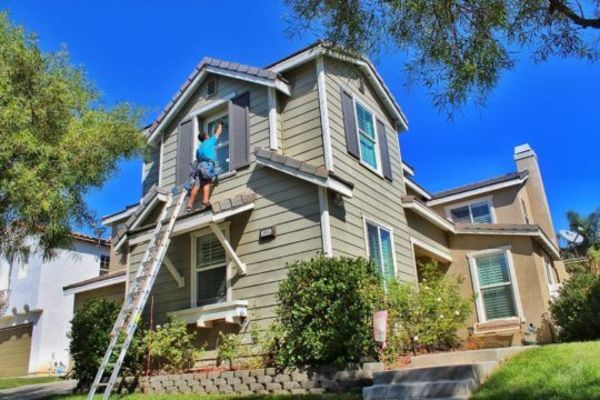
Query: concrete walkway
x=38, y=391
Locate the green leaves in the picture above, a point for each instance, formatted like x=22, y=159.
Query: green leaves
x=171, y=347
x=229, y=348
x=57, y=142
x=457, y=49
x=326, y=309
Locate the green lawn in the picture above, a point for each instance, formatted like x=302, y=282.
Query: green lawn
x=554, y=372
x=7, y=383
x=220, y=397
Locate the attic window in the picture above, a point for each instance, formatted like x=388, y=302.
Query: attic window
x=212, y=85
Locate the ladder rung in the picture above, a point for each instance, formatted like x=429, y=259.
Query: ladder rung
x=102, y=384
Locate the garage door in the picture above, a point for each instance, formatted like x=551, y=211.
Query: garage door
x=15, y=344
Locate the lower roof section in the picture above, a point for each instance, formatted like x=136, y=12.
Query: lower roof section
x=112, y=278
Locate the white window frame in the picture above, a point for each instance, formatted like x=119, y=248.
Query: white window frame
x=469, y=203
x=472, y=257
x=107, y=269
x=205, y=122
x=367, y=220
x=22, y=265
x=225, y=227
x=377, y=170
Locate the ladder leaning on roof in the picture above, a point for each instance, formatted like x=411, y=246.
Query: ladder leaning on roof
x=136, y=297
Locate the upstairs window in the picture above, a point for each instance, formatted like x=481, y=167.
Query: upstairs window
x=367, y=137
x=211, y=271
x=478, y=212
x=104, y=264
x=21, y=261
x=222, y=161
x=380, y=248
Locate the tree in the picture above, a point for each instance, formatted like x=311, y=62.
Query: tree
x=58, y=141
x=588, y=227
x=456, y=48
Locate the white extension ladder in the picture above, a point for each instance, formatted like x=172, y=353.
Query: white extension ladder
x=136, y=298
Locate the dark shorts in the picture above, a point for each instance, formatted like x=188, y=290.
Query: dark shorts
x=204, y=173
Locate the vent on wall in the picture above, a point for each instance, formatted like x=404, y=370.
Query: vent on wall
x=212, y=85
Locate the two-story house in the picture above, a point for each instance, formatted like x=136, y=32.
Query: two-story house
x=35, y=318
x=309, y=163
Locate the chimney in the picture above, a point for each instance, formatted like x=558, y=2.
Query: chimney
x=526, y=159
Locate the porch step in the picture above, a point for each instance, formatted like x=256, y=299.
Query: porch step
x=450, y=382
x=467, y=357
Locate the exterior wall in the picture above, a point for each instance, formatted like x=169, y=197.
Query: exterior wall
x=150, y=168
x=112, y=293
x=374, y=196
x=50, y=310
x=300, y=117
x=506, y=203
x=118, y=260
x=529, y=272
x=427, y=232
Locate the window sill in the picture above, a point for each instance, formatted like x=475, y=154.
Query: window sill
x=232, y=312
x=500, y=325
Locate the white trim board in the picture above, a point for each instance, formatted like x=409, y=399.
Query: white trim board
x=273, y=131
x=416, y=188
x=120, y=216
x=430, y=215
x=324, y=112
x=325, y=222
x=476, y=192
x=97, y=285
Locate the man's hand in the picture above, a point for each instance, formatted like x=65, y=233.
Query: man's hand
x=219, y=129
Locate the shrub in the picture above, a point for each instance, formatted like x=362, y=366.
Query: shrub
x=267, y=343
x=577, y=310
x=171, y=347
x=426, y=318
x=89, y=339
x=326, y=309
x=229, y=348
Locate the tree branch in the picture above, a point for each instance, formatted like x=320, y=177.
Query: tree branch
x=558, y=5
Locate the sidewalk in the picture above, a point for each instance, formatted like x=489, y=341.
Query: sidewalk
x=38, y=391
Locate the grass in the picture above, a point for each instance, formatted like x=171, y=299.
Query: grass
x=9, y=383
x=220, y=397
x=554, y=372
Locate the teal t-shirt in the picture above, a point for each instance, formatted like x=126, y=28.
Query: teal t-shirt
x=207, y=149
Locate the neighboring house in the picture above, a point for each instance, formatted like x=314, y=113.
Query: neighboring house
x=310, y=163
x=36, y=318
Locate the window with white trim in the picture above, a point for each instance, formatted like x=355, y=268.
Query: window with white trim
x=496, y=289
x=380, y=248
x=21, y=261
x=211, y=270
x=367, y=137
x=222, y=148
x=104, y=264
x=477, y=212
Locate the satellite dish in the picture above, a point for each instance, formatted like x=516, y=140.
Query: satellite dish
x=571, y=237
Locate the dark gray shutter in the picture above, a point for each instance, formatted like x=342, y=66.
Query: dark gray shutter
x=350, y=125
x=386, y=165
x=185, y=151
x=239, y=131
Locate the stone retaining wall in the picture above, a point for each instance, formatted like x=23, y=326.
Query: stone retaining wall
x=259, y=381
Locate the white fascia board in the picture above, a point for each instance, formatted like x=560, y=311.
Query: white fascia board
x=430, y=215
x=476, y=192
x=230, y=311
x=277, y=83
x=408, y=169
x=97, y=285
x=324, y=113
x=417, y=188
x=119, y=217
x=273, y=131
x=426, y=246
x=180, y=102
x=328, y=183
x=367, y=67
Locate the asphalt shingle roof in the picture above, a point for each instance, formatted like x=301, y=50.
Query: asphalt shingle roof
x=480, y=184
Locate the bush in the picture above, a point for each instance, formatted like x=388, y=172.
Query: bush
x=267, y=343
x=326, y=309
x=172, y=347
x=89, y=339
x=229, y=348
x=426, y=318
x=577, y=310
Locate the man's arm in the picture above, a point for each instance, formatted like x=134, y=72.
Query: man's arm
x=219, y=130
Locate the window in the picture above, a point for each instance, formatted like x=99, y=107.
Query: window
x=367, y=138
x=21, y=261
x=479, y=212
x=222, y=161
x=104, y=263
x=494, y=282
x=380, y=248
x=211, y=271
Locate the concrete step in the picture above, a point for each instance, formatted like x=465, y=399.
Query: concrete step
x=478, y=372
x=466, y=357
x=460, y=389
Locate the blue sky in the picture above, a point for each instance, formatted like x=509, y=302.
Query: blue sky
x=141, y=51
